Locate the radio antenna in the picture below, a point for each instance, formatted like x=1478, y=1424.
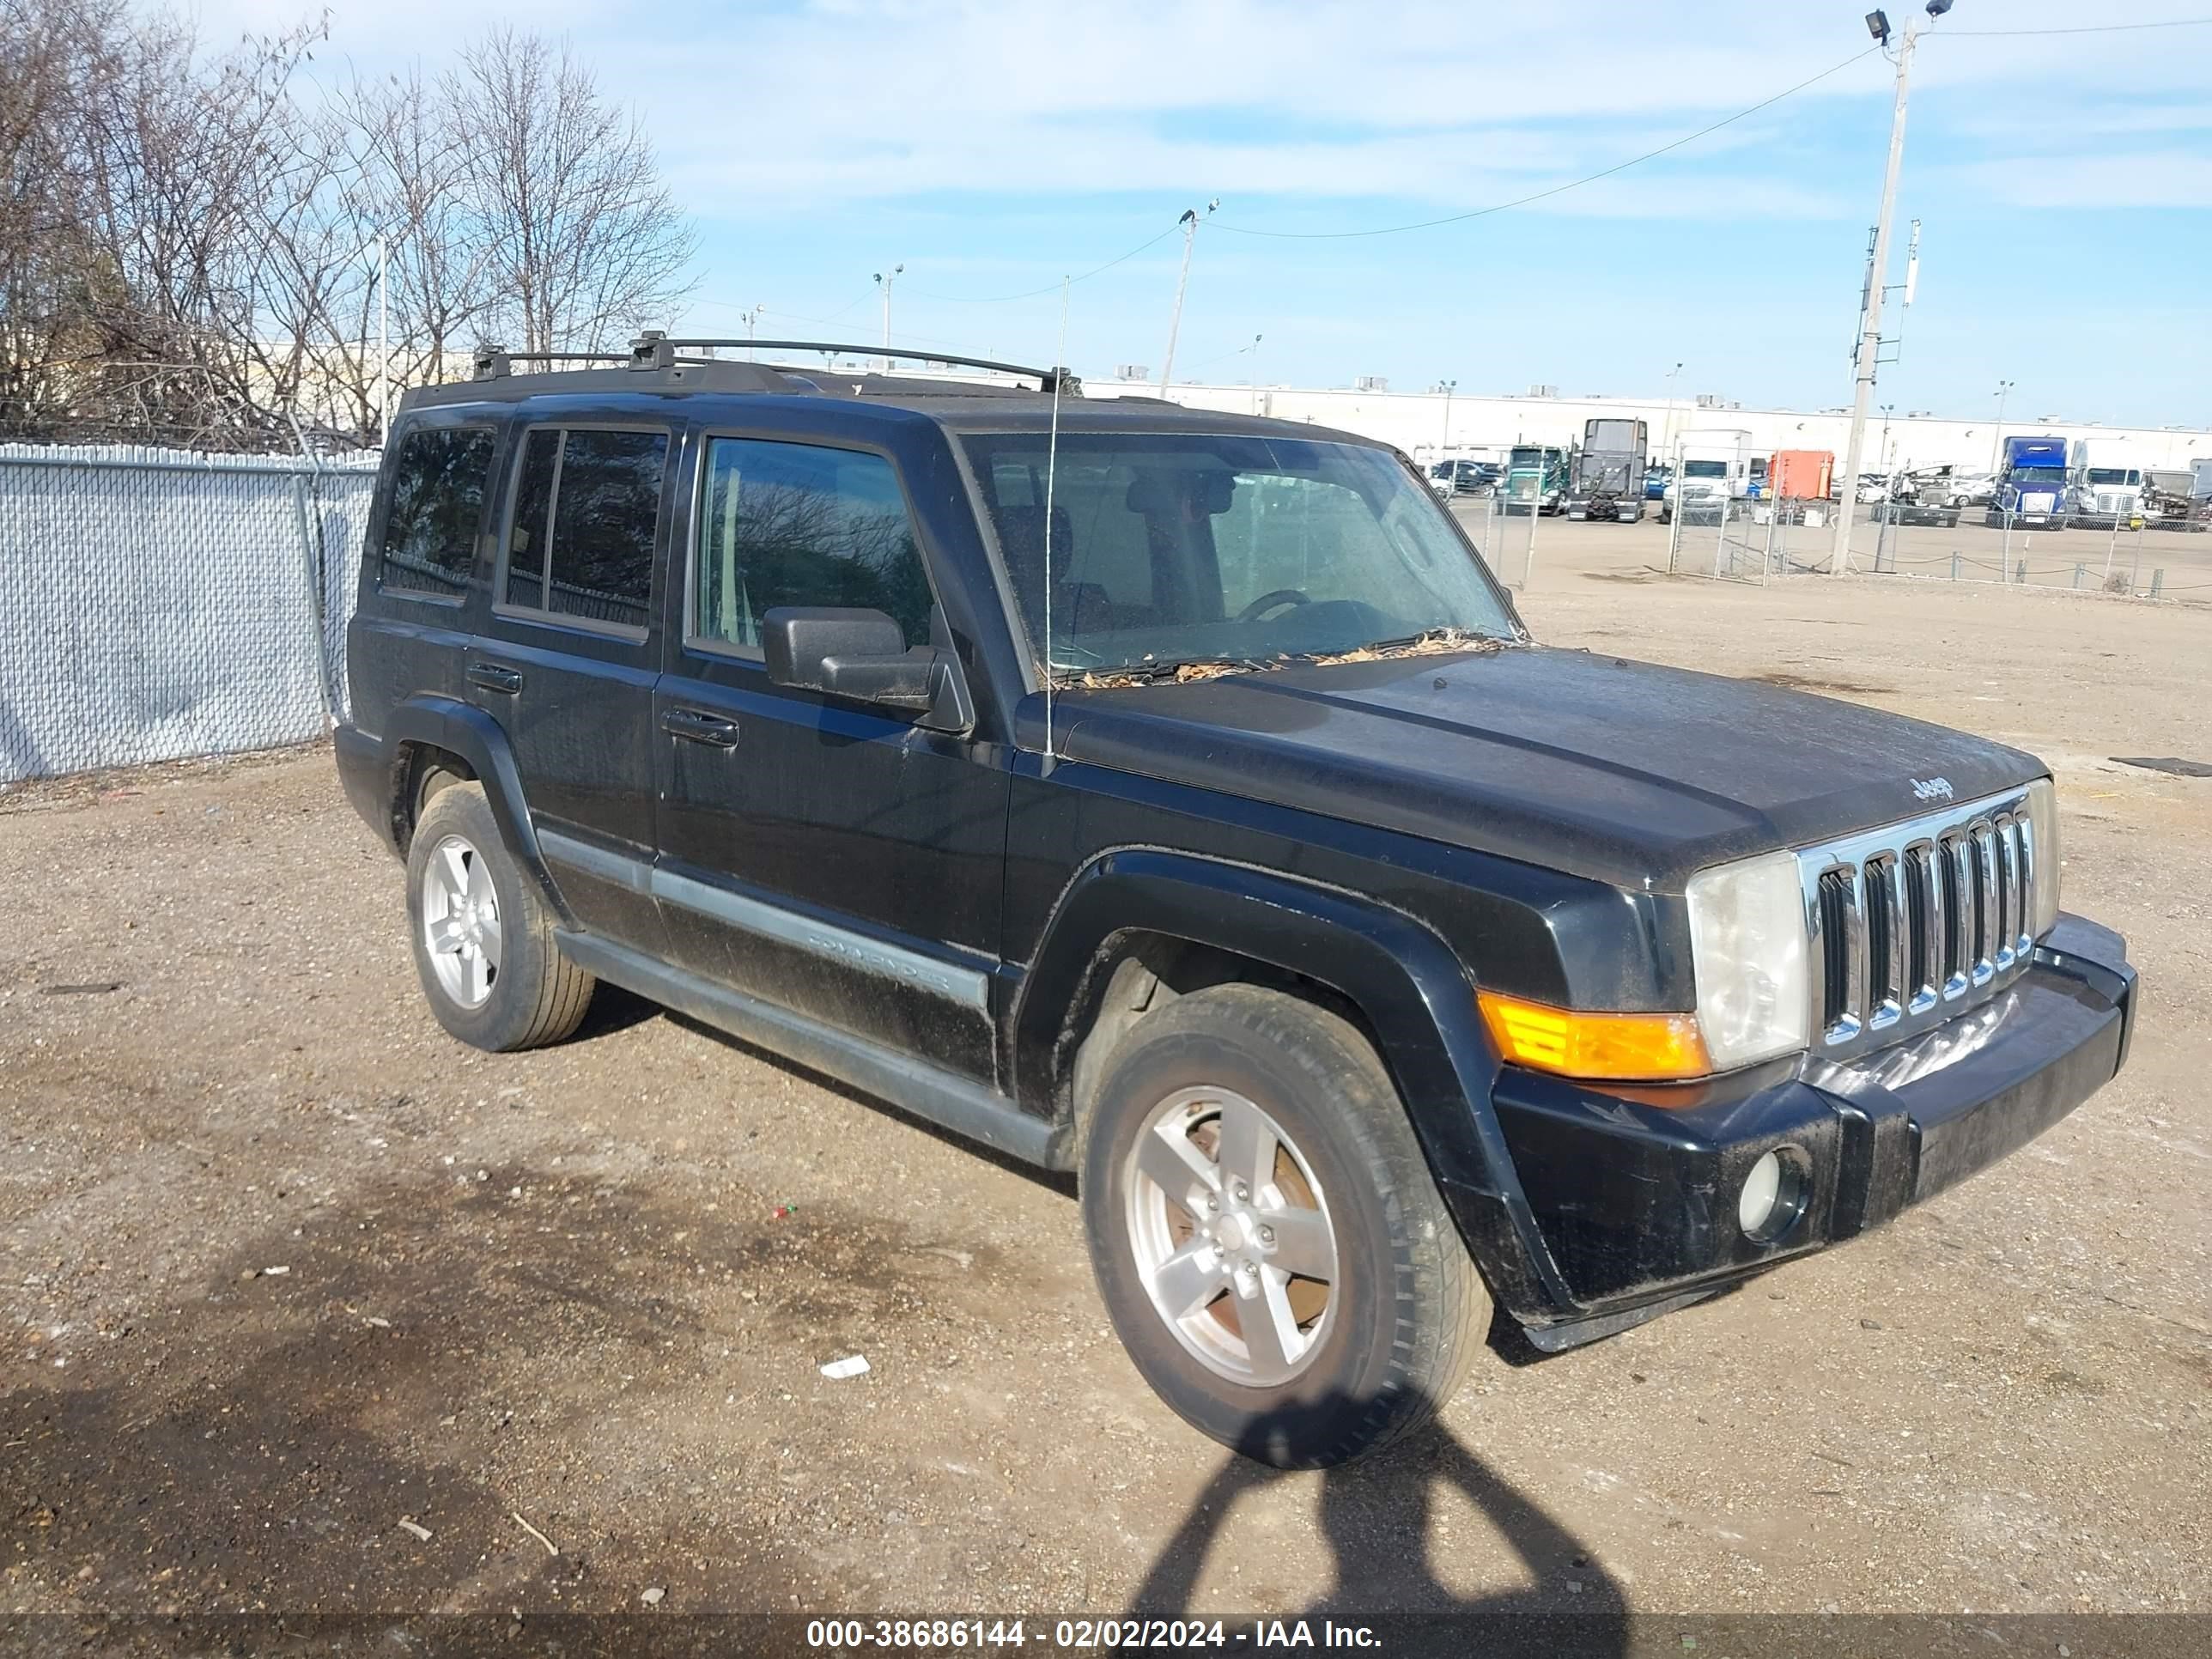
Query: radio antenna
x=1051, y=467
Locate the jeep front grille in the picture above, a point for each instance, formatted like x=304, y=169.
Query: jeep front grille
x=1911, y=922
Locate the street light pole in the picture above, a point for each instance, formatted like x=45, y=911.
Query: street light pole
x=1443, y=446
x=1255, y=349
x=1667, y=437
x=885, y=282
x=1870, y=347
x=1996, y=437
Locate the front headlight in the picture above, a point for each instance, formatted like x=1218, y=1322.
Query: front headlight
x=2043, y=825
x=1748, y=951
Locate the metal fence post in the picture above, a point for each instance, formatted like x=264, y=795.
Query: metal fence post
x=2157, y=583
x=310, y=567
x=1954, y=564
x=1674, y=513
x=1529, y=570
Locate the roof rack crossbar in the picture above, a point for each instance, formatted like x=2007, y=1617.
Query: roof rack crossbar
x=495, y=362
x=654, y=348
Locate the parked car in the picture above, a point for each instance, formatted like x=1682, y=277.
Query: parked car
x=1656, y=480
x=1969, y=490
x=1175, y=799
x=1462, y=477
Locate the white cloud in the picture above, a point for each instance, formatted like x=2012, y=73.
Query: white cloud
x=834, y=102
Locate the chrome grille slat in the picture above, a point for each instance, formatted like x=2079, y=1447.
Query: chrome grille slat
x=2008, y=925
x=1965, y=891
x=1907, y=921
x=1923, y=928
x=1985, y=912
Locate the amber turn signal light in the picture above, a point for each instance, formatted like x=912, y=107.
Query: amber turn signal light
x=1639, y=1047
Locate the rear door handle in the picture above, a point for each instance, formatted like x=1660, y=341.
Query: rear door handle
x=696, y=725
x=493, y=678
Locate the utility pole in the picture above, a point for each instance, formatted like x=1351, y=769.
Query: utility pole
x=1189, y=222
x=885, y=282
x=1870, y=346
x=1997, y=435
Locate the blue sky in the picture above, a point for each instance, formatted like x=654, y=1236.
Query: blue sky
x=2064, y=182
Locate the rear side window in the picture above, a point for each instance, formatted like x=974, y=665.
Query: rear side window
x=438, y=485
x=587, y=508
x=799, y=524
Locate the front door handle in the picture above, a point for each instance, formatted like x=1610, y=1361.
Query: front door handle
x=493, y=678
x=696, y=725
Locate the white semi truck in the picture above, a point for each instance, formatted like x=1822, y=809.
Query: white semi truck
x=2104, y=483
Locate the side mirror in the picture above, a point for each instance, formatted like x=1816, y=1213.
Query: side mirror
x=862, y=654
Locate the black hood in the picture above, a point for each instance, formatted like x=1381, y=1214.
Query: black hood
x=1621, y=771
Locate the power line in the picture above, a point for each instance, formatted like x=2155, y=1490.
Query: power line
x=1558, y=189
x=2088, y=29
x=1049, y=288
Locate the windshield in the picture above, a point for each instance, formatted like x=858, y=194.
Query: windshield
x=2114, y=475
x=1527, y=458
x=2021, y=475
x=1704, y=468
x=1170, y=549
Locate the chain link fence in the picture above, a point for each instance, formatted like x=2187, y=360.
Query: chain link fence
x=157, y=604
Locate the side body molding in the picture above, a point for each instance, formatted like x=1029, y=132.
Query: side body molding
x=1404, y=980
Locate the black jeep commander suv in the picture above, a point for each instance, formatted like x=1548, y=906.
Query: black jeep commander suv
x=1176, y=798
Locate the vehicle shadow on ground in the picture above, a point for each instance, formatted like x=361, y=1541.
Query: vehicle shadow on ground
x=1377, y=1518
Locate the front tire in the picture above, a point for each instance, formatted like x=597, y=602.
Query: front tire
x=484, y=948
x=1265, y=1234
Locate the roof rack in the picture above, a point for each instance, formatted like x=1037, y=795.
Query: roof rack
x=496, y=362
x=654, y=349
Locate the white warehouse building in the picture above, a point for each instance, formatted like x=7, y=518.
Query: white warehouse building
x=1429, y=425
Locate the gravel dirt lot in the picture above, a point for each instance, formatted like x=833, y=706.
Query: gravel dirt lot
x=282, y=1267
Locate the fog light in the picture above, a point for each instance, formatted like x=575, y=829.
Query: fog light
x=1773, y=1196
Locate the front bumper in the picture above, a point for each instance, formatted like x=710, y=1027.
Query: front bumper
x=1637, y=1199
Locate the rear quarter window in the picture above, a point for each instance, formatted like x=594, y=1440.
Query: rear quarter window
x=586, y=523
x=440, y=478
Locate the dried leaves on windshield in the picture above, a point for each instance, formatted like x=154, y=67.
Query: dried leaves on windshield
x=1434, y=643
x=1437, y=642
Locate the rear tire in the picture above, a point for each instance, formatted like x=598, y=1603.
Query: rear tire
x=1337, y=1254
x=484, y=946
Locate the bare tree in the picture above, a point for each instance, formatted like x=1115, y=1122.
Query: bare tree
x=587, y=243
x=187, y=244
x=412, y=182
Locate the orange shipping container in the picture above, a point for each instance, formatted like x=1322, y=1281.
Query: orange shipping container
x=1800, y=475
